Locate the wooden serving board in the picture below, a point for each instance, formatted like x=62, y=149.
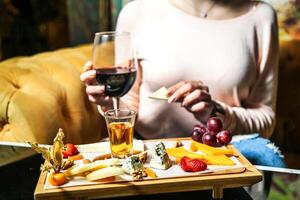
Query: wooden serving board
x=244, y=175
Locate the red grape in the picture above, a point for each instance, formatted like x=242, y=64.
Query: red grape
x=214, y=125
x=200, y=128
x=217, y=144
x=209, y=138
x=197, y=135
x=224, y=137
x=198, y=132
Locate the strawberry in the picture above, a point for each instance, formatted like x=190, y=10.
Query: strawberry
x=192, y=165
x=66, y=154
x=69, y=150
x=196, y=165
x=185, y=159
x=184, y=164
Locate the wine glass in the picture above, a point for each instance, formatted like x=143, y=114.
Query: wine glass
x=114, y=63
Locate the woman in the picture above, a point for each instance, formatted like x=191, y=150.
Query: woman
x=216, y=58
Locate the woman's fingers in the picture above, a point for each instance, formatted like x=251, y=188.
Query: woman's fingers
x=88, y=66
x=196, y=96
x=184, y=88
x=180, y=92
x=201, y=110
x=88, y=77
x=175, y=87
x=93, y=98
x=95, y=89
x=104, y=101
x=96, y=94
x=198, y=107
x=195, y=84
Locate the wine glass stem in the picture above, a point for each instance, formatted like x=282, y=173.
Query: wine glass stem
x=116, y=102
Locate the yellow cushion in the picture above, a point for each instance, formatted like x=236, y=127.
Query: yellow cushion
x=42, y=93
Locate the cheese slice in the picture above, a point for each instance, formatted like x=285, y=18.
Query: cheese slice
x=161, y=93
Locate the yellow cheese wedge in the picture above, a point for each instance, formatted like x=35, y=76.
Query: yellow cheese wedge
x=208, y=150
x=180, y=152
x=218, y=160
x=150, y=172
x=161, y=93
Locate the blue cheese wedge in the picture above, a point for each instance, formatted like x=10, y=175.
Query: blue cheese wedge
x=160, y=158
x=132, y=164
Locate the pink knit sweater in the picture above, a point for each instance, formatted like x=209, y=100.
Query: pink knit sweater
x=236, y=58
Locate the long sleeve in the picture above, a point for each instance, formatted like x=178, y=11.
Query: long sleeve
x=257, y=113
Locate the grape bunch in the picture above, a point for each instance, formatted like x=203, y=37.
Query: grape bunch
x=212, y=134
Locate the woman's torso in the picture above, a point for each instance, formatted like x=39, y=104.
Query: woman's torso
x=176, y=46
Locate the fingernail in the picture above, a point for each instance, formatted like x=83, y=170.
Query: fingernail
x=88, y=64
x=171, y=99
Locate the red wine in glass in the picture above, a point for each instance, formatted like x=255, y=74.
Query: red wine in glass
x=117, y=80
x=115, y=63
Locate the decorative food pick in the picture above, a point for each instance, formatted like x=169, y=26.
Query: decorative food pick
x=160, y=158
x=161, y=93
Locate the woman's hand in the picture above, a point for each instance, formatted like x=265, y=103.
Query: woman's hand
x=193, y=96
x=95, y=92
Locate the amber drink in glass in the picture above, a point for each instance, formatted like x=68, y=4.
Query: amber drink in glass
x=120, y=126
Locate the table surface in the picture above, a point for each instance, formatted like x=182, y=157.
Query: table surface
x=216, y=183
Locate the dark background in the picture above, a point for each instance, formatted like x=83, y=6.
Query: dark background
x=31, y=26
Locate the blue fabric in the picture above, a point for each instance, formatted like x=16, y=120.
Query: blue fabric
x=257, y=151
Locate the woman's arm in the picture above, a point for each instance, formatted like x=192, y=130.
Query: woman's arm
x=257, y=113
